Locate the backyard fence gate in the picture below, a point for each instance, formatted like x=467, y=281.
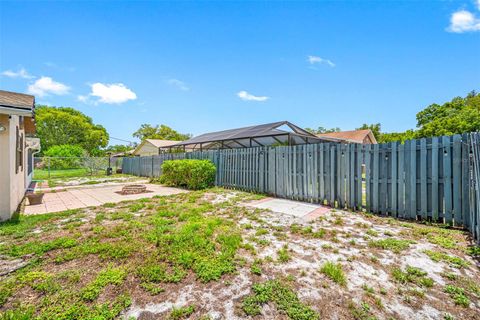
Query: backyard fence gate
x=434, y=179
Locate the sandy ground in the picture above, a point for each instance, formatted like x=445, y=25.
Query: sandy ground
x=368, y=270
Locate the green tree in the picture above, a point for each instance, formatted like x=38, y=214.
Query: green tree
x=376, y=129
x=459, y=115
x=163, y=132
x=67, y=126
x=322, y=130
x=118, y=148
x=397, y=136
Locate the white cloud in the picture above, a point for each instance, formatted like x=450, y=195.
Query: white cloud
x=114, y=93
x=22, y=73
x=244, y=95
x=46, y=85
x=179, y=84
x=83, y=99
x=464, y=21
x=318, y=60
x=478, y=4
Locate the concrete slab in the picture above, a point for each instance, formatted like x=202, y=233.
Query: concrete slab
x=306, y=211
x=95, y=196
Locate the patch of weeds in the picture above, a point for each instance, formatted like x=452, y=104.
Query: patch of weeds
x=280, y=235
x=458, y=295
x=335, y=272
x=20, y=225
x=372, y=233
x=158, y=272
x=284, y=298
x=367, y=289
x=362, y=225
x=137, y=206
x=443, y=241
x=110, y=275
x=362, y=311
x=181, y=313
x=338, y=221
x=109, y=205
x=152, y=288
x=121, y=215
x=473, y=251
x=412, y=275
x=392, y=244
x=256, y=267
x=247, y=226
x=452, y=260
x=37, y=247
x=448, y=316
x=261, y=232
x=283, y=255
x=249, y=247
x=18, y=314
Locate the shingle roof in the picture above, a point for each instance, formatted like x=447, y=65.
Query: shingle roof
x=23, y=102
x=357, y=136
x=162, y=143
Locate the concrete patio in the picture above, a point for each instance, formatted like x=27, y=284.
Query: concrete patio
x=94, y=196
x=303, y=210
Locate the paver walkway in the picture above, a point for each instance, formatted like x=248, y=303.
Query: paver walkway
x=307, y=211
x=95, y=196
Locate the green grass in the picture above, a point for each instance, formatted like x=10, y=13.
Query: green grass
x=43, y=174
x=335, y=272
x=392, y=244
x=452, y=260
x=256, y=267
x=282, y=296
x=110, y=275
x=412, y=275
x=181, y=313
x=283, y=254
x=174, y=236
x=458, y=295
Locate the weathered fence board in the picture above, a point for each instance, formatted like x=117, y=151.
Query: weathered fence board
x=430, y=179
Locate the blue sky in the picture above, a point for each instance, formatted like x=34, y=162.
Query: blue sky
x=206, y=66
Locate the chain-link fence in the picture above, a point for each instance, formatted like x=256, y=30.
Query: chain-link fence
x=65, y=167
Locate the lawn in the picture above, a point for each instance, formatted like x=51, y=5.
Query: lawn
x=43, y=174
x=208, y=255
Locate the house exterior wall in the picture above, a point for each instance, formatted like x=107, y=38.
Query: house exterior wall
x=12, y=183
x=147, y=149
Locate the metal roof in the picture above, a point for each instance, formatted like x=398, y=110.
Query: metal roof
x=253, y=132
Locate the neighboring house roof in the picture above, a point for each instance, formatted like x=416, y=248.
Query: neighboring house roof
x=234, y=138
x=156, y=143
x=355, y=136
x=122, y=154
x=162, y=143
x=16, y=103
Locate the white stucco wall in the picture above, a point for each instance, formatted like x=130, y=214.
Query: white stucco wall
x=12, y=184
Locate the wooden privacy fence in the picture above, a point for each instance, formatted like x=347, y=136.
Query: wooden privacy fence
x=430, y=179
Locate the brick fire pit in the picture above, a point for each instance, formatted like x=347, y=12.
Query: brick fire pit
x=134, y=189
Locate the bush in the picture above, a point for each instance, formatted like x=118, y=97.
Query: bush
x=64, y=156
x=188, y=173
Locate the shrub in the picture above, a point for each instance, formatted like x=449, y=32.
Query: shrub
x=188, y=173
x=64, y=156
